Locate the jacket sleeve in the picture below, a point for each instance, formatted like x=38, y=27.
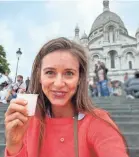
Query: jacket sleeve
x=22, y=152
x=105, y=141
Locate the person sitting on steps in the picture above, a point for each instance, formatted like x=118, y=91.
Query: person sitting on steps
x=131, y=86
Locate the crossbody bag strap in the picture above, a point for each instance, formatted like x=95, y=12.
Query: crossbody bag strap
x=18, y=87
x=76, y=136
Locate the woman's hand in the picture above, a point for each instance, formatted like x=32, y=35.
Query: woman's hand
x=16, y=124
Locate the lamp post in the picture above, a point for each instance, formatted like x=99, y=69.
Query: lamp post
x=18, y=55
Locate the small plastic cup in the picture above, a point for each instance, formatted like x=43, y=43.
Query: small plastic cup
x=32, y=102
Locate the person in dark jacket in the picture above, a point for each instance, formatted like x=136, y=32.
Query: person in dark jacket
x=27, y=83
x=132, y=86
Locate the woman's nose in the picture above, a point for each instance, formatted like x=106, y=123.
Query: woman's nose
x=59, y=82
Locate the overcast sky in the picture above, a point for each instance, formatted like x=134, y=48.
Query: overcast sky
x=29, y=24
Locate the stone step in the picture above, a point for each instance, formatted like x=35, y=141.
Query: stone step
x=1, y=119
x=119, y=110
x=126, y=112
x=116, y=103
x=2, y=126
x=132, y=139
x=2, y=147
x=118, y=106
x=2, y=137
x=128, y=126
x=113, y=98
x=3, y=105
x=2, y=114
x=3, y=108
x=115, y=108
x=125, y=118
x=133, y=151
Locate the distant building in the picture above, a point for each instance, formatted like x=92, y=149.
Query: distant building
x=109, y=42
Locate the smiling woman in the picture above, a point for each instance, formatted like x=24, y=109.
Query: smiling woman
x=66, y=123
x=59, y=79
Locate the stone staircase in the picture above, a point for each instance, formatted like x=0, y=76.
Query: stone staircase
x=123, y=111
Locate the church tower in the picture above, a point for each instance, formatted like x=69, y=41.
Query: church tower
x=76, y=37
x=106, y=5
x=77, y=30
x=84, y=39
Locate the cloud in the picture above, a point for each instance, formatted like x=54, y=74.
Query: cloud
x=7, y=40
x=39, y=34
x=70, y=13
x=88, y=10
x=36, y=36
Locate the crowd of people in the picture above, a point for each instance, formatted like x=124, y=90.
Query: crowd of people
x=101, y=85
x=9, y=89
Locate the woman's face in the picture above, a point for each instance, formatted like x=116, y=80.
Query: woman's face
x=59, y=77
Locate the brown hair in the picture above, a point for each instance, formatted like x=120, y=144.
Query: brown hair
x=81, y=100
x=20, y=76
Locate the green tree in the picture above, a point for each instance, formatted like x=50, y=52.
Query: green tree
x=4, y=65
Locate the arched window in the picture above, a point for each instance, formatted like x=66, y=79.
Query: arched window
x=111, y=36
x=130, y=64
x=95, y=57
x=129, y=55
x=130, y=60
x=112, y=59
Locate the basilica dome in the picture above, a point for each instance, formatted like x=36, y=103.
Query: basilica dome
x=106, y=17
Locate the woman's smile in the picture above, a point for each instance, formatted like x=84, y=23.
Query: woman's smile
x=59, y=94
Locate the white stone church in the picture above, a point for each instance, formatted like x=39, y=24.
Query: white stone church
x=109, y=42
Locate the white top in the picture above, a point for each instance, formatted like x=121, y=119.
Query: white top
x=20, y=86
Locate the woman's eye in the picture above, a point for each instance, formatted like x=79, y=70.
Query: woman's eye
x=49, y=73
x=69, y=73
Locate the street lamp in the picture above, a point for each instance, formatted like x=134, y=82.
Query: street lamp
x=18, y=55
